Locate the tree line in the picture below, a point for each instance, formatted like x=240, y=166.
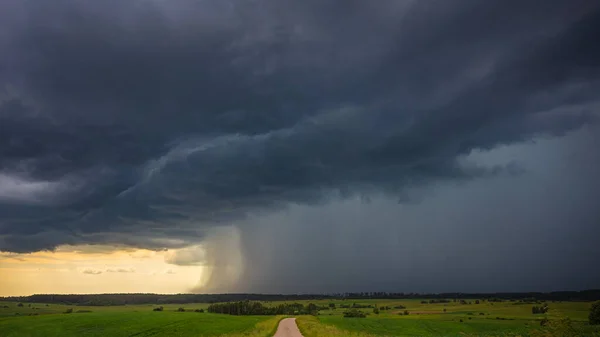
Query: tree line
x=159, y=299
x=123, y=299
x=242, y=308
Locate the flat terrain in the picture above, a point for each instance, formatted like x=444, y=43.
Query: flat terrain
x=49, y=321
x=441, y=319
x=484, y=319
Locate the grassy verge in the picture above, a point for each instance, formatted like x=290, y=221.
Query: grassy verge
x=310, y=326
x=261, y=329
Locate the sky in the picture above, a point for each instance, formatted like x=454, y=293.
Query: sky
x=281, y=146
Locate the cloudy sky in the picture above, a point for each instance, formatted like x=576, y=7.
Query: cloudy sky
x=299, y=146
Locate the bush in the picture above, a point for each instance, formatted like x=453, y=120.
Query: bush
x=399, y=306
x=312, y=309
x=199, y=310
x=594, y=316
x=70, y=310
x=539, y=310
x=158, y=309
x=376, y=311
x=405, y=312
x=332, y=305
x=181, y=310
x=354, y=313
x=20, y=305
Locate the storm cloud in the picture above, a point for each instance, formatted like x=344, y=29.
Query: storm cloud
x=156, y=124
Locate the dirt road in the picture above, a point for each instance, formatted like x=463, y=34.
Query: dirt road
x=288, y=328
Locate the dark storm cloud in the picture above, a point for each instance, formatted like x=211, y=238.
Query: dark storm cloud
x=145, y=122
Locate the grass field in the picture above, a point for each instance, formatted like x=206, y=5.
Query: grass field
x=485, y=319
x=139, y=321
x=449, y=319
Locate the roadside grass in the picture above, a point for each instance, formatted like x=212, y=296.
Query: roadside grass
x=311, y=326
x=261, y=329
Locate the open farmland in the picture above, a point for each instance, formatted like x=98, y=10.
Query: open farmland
x=139, y=320
x=451, y=319
x=506, y=318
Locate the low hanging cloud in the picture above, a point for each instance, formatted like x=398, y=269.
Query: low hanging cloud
x=91, y=271
x=149, y=124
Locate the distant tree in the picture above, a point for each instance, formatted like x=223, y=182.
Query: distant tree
x=158, y=309
x=354, y=313
x=20, y=305
x=312, y=309
x=595, y=314
x=476, y=301
x=376, y=311
x=405, y=312
x=332, y=305
x=444, y=309
x=68, y=311
x=539, y=309
x=181, y=309
x=199, y=310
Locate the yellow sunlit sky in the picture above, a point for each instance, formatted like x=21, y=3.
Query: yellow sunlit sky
x=94, y=269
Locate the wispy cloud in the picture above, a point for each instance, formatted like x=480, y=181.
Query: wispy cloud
x=91, y=271
x=120, y=270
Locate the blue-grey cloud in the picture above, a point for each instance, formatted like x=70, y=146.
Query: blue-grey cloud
x=144, y=123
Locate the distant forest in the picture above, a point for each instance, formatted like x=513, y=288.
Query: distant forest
x=124, y=299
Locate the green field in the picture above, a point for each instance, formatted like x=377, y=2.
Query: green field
x=484, y=319
x=48, y=321
x=448, y=319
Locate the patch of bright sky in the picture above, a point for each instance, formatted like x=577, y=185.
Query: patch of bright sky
x=94, y=269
